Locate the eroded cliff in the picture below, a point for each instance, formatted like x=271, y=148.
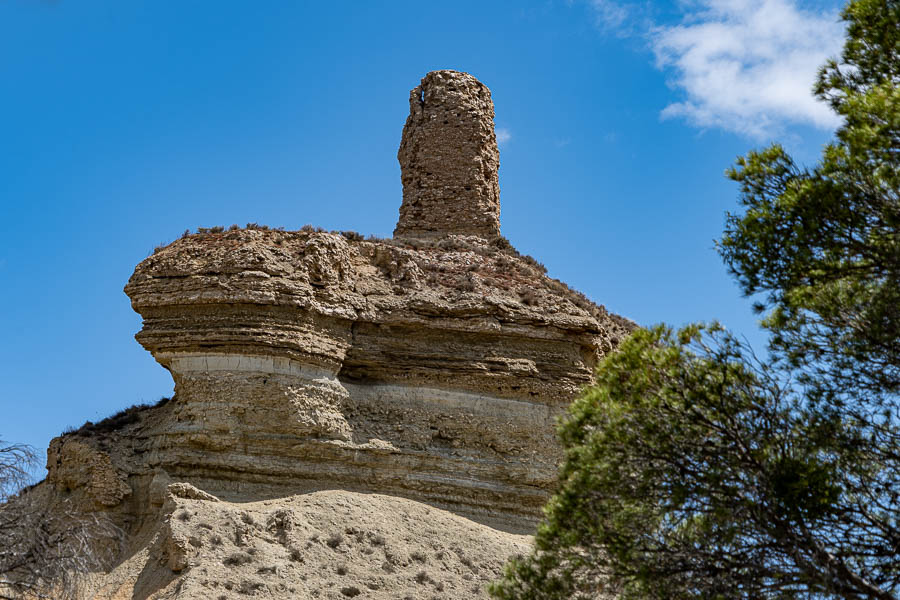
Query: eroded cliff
x=430, y=366
x=307, y=361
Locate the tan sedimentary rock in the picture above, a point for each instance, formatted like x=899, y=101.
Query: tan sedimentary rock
x=429, y=368
x=449, y=159
x=75, y=464
x=308, y=360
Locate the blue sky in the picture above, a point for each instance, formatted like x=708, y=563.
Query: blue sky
x=124, y=123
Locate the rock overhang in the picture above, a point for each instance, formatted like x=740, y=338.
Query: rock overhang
x=430, y=366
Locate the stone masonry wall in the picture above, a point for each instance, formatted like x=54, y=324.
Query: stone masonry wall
x=449, y=160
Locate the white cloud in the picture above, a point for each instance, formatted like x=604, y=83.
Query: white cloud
x=609, y=15
x=748, y=66
x=503, y=136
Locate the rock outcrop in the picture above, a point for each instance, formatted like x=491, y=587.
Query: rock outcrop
x=308, y=361
x=429, y=367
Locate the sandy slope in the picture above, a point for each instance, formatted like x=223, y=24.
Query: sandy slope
x=327, y=544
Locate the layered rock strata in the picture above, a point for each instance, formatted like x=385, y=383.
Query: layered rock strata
x=311, y=361
x=430, y=366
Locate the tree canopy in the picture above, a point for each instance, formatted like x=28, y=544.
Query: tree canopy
x=694, y=469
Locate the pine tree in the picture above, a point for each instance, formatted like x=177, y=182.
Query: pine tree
x=694, y=469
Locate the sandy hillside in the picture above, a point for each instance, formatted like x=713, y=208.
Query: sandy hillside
x=327, y=544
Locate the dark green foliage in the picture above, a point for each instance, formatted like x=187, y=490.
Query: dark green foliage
x=823, y=244
x=694, y=470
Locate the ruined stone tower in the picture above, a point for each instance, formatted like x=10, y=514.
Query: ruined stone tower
x=449, y=160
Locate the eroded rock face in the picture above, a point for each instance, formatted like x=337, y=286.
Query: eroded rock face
x=449, y=160
x=75, y=464
x=330, y=544
x=431, y=366
x=433, y=372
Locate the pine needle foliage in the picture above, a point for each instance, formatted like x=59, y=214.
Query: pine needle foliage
x=695, y=470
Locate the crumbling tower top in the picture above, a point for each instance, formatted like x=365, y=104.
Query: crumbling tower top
x=449, y=160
